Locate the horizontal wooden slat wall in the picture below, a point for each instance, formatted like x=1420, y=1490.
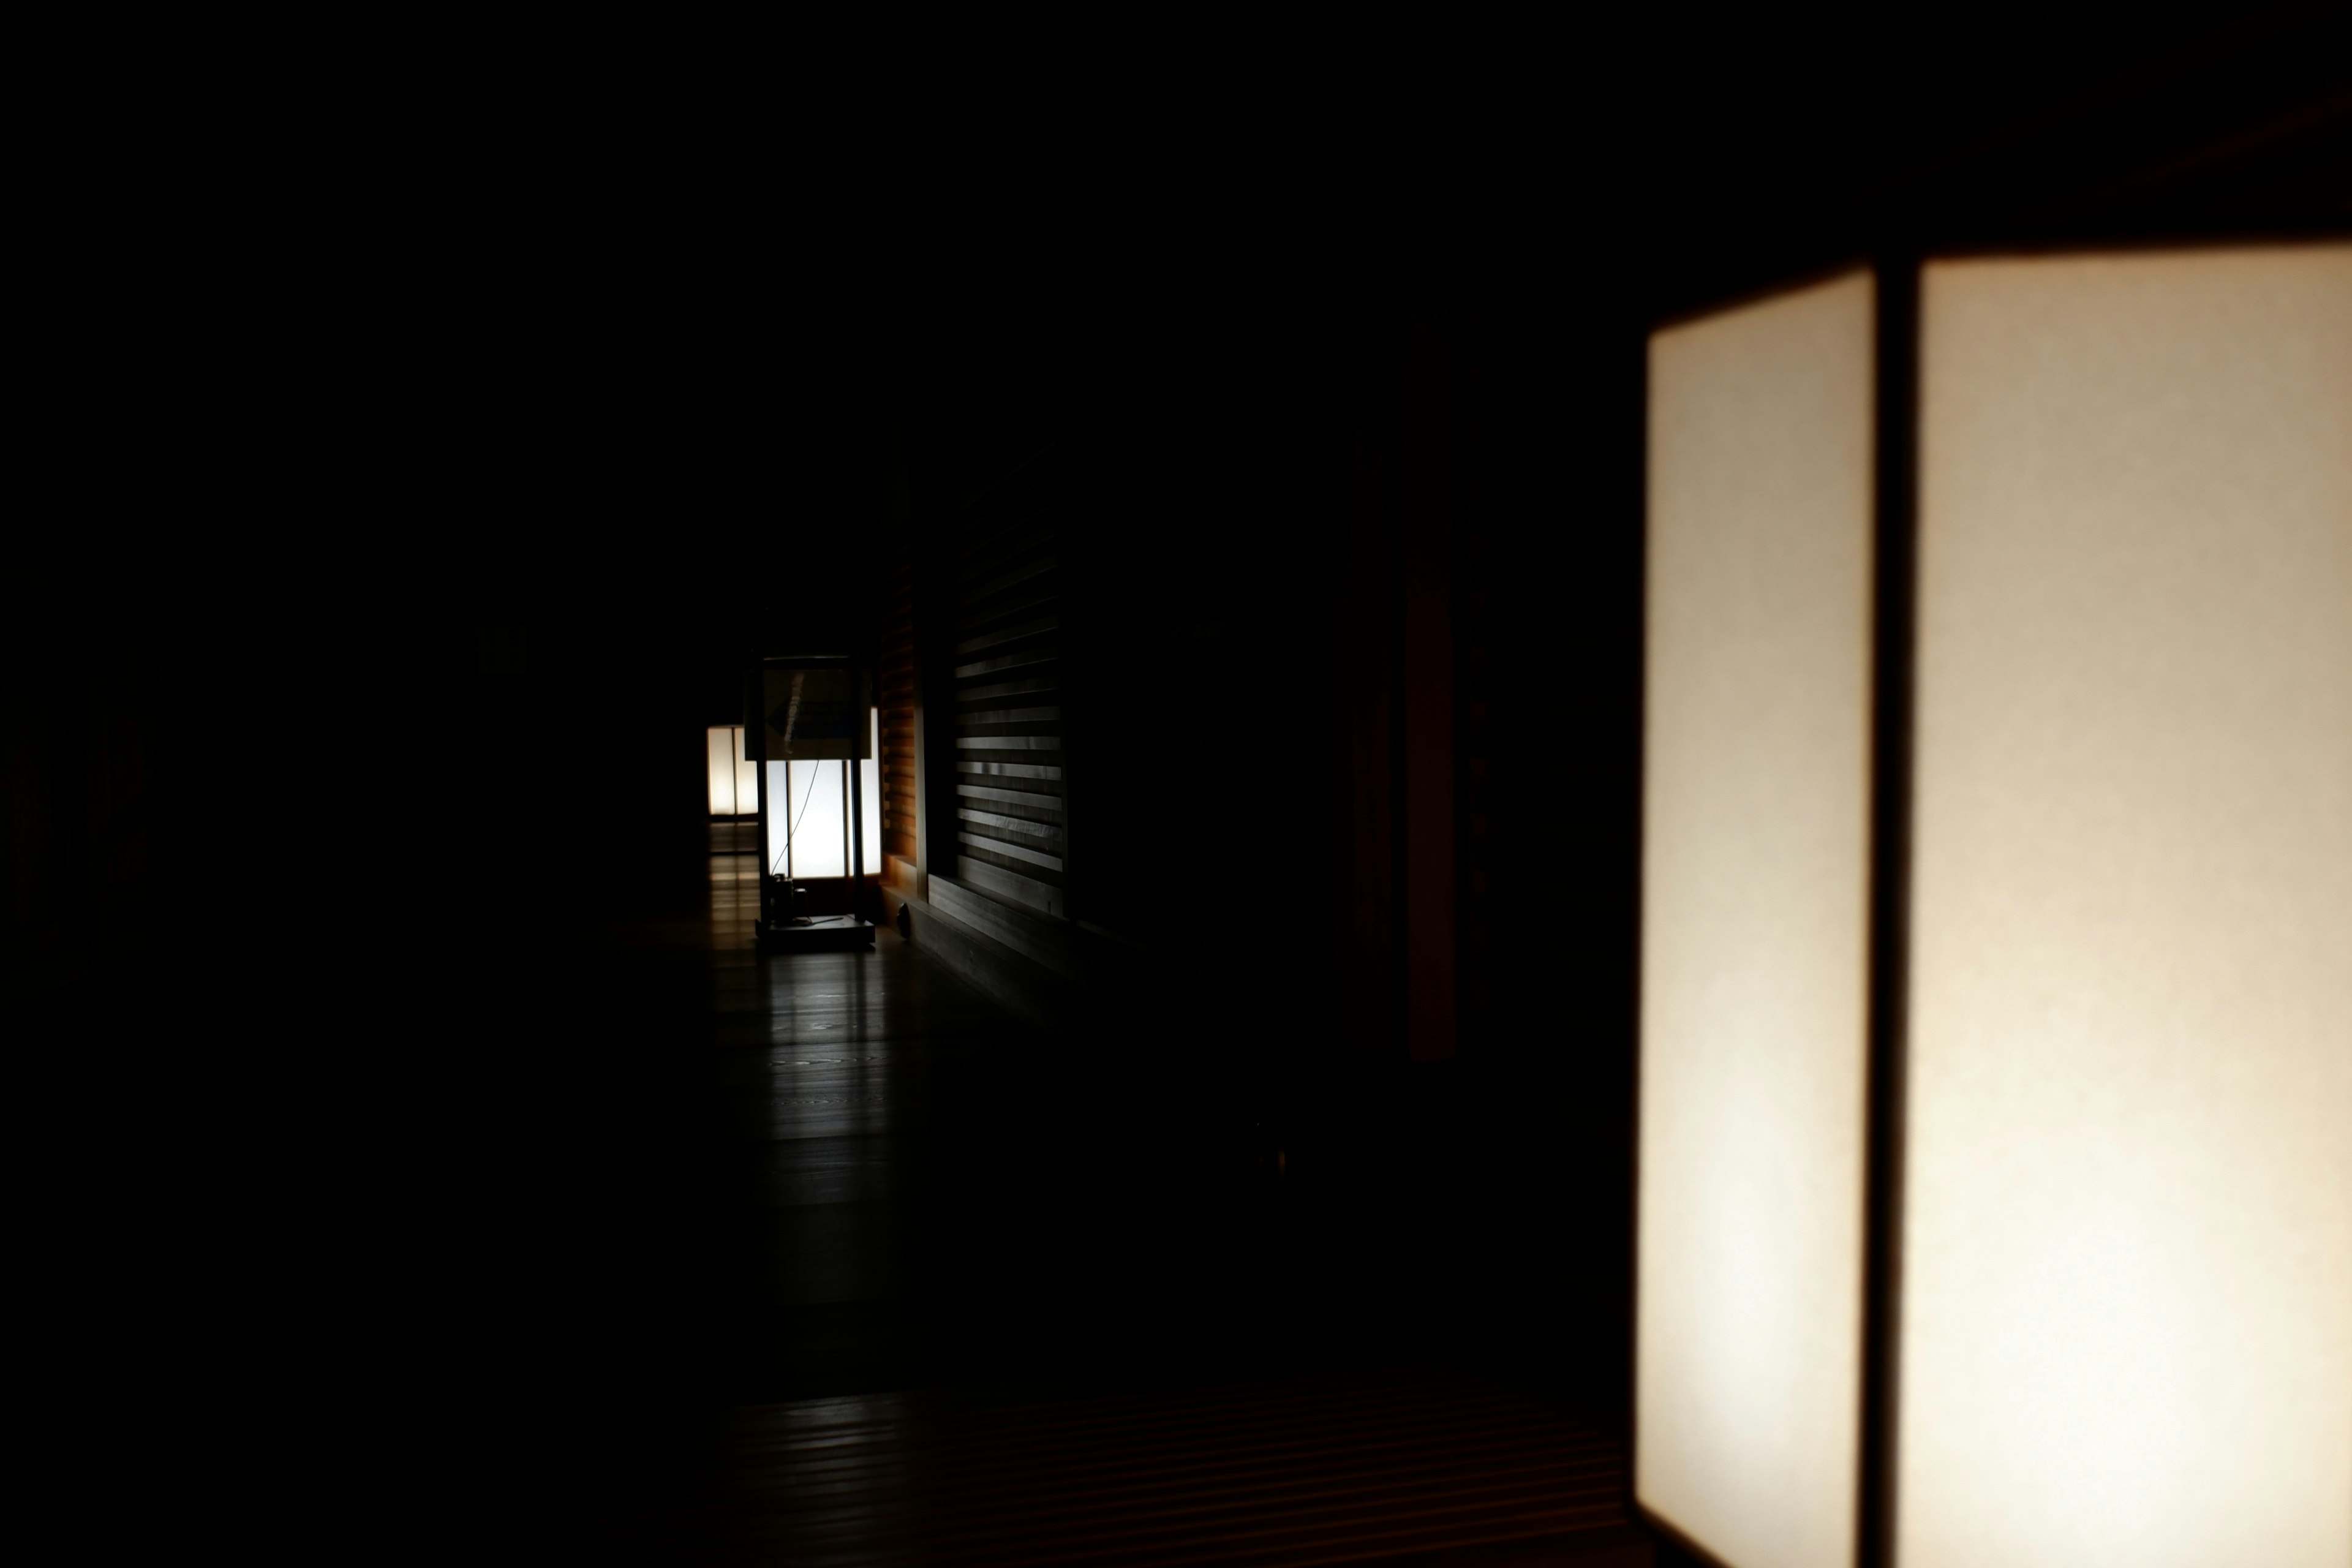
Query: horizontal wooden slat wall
x=896, y=699
x=1010, y=827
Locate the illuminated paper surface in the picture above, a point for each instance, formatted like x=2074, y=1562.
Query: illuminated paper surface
x=734, y=783
x=817, y=843
x=1754, y=853
x=2127, y=1333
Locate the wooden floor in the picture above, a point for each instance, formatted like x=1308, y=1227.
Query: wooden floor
x=1401, y=1464
x=850, y=1269
x=541, y=1233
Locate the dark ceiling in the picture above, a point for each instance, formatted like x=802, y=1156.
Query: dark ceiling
x=601, y=346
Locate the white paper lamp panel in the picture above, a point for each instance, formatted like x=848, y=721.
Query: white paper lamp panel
x=1754, y=885
x=869, y=775
x=722, y=738
x=2127, y=1326
x=814, y=802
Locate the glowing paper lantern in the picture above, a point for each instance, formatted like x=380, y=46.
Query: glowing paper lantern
x=814, y=794
x=1996, y=1138
x=734, y=777
x=819, y=802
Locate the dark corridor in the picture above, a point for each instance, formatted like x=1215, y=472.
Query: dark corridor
x=1238, y=1155
x=887, y=1225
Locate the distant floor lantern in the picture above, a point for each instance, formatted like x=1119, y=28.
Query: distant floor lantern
x=818, y=800
x=1996, y=1124
x=734, y=777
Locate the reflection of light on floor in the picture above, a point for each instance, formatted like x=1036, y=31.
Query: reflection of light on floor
x=839, y=998
x=734, y=886
x=870, y=1433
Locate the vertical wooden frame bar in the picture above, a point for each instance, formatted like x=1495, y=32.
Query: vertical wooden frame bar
x=1428, y=811
x=935, y=705
x=854, y=786
x=1895, y=599
x=1366, y=842
x=755, y=751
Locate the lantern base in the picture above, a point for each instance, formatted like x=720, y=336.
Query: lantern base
x=826, y=933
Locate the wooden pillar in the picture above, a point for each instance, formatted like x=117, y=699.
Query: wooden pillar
x=1425, y=540
x=1369, y=997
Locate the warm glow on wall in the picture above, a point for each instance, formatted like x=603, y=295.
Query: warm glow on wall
x=2111, y=1058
